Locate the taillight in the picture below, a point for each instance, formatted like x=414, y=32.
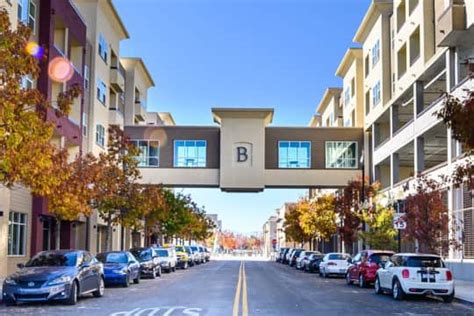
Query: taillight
x=332, y=264
x=449, y=275
x=405, y=273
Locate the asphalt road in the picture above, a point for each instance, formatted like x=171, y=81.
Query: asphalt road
x=234, y=288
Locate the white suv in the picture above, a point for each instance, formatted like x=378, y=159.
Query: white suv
x=415, y=274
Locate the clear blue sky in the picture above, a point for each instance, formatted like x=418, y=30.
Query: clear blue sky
x=240, y=53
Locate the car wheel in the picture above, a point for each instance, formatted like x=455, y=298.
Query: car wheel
x=174, y=269
x=159, y=271
x=325, y=275
x=362, y=281
x=137, y=279
x=348, y=279
x=153, y=273
x=320, y=274
x=73, y=294
x=100, y=291
x=449, y=298
x=397, y=291
x=185, y=266
x=127, y=280
x=377, y=287
x=9, y=302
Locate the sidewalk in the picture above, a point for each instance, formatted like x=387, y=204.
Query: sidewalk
x=464, y=291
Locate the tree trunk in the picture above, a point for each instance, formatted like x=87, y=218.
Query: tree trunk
x=108, y=233
x=58, y=234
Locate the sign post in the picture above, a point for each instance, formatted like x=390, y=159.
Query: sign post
x=400, y=224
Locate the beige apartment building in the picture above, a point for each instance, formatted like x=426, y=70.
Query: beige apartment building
x=270, y=236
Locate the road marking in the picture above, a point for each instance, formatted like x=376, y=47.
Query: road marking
x=235, y=309
x=245, y=307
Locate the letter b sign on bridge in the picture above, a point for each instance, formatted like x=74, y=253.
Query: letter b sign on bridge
x=242, y=154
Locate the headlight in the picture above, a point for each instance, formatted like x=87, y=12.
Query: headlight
x=147, y=264
x=123, y=271
x=10, y=281
x=60, y=280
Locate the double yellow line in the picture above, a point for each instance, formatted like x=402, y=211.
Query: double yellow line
x=241, y=289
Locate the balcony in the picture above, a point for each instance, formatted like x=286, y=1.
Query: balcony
x=116, y=117
x=450, y=24
x=140, y=110
x=117, y=78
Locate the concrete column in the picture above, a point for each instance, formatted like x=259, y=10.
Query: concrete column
x=418, y=105
x=372, y=141
x=394, y=119
x=451, y=69
x=395, y=169
x=419, y=155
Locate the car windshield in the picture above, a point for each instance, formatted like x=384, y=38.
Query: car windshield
x=163, y=253
x=113, y=257
x=424, y=262
x=338, y=256
x=379, y=257
x=180, y=248
x=142, y=254
x=195, y=249
x=53, y=259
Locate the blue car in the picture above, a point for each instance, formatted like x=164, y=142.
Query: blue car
x=58, y=275
x=120, y=267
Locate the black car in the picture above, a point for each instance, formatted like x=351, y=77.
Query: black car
x=281, y=255
x=295, y=254
x=284, y=256
x=58, y=275
x=312, y=265
x=149, y=261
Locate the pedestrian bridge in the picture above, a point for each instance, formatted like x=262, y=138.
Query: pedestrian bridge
x=243, y=153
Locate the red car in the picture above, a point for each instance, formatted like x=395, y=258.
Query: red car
x=364, y=266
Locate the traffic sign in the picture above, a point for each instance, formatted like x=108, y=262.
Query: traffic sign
x=274, y=241
x=399, y=221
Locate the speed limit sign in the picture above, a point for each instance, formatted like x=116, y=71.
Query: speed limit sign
x=399, y=222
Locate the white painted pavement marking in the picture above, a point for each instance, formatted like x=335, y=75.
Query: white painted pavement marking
x=155, y=311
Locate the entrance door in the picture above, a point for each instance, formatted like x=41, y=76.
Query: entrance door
x=47, y=233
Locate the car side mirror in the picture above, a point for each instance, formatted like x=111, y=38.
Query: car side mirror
x=349, y=260
x=20, y=265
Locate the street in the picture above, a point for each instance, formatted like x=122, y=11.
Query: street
x=242, y=288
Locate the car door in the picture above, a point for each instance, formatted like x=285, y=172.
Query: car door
x=353, y=267
x=385, y=273
x=362, y=266
x=133, y=265
x=322, y=265
x=85, y=272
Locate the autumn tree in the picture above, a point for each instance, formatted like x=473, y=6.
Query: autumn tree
x=27, y=156
x=318, y=217
x=293, y=230
x=427, y=218
x=458, y=115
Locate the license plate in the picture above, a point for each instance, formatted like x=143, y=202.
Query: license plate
x=428, y=277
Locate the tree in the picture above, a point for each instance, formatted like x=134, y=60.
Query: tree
x=458, y=115
x=427, y=218
x=318, y=217
x=24, y=132
x=380, y=233
x=115, y=183
x=292, y=227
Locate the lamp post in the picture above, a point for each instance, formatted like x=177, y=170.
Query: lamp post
x=362, y=196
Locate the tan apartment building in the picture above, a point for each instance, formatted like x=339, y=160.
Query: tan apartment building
x=270, y=236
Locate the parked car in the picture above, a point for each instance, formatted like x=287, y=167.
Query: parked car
x=294, y=255
x=312, y=264
x=284, y=258
x=301, y=258
x=207, y=254
x=198, y=255
x=167, y=259
x=334, y=263
x=203, y=254
x=58, y=275
x=189, y=251
x=280, y=254
x=149, y=261
x=363, y=267
x=288, y=255
x=120, y=267
x=415, y=274
x=182, y=257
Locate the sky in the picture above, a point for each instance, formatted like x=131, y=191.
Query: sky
x=240, y=53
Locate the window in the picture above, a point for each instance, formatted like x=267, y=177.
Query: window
x=294, y=154
x=149, y=152
x=347, y=96
x=101, y=91
x=26, y=83
x=27, y=14
x=190, y=153
x=376, y=94
x=100, y=135
x=367, y=102
x=84, y=124
x=16, y=234
x=86, y=77
x=32, y=17
x=331, y=119
x=348, y=122
x=415, y=46
x=103, y=48
x=353, y=87
x=375, y=53
x=341, y=155
x=367, y=65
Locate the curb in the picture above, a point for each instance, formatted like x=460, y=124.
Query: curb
x=463, y=301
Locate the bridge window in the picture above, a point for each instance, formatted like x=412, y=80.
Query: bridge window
x=341, y=155
x=190, y=153
x=149, y=152
x=294, y=154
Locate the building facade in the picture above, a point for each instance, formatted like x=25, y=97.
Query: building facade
x=270, y=236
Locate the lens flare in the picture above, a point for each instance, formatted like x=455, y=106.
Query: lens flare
x=60, y=69
x=34, y=50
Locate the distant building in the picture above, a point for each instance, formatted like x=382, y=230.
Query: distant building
x=269, y=235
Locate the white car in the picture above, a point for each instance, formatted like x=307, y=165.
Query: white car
x=415, y=274
x=334, y=263
x=167, y=258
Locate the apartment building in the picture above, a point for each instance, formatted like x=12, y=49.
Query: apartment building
x=270, y=236
x=412, y=52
